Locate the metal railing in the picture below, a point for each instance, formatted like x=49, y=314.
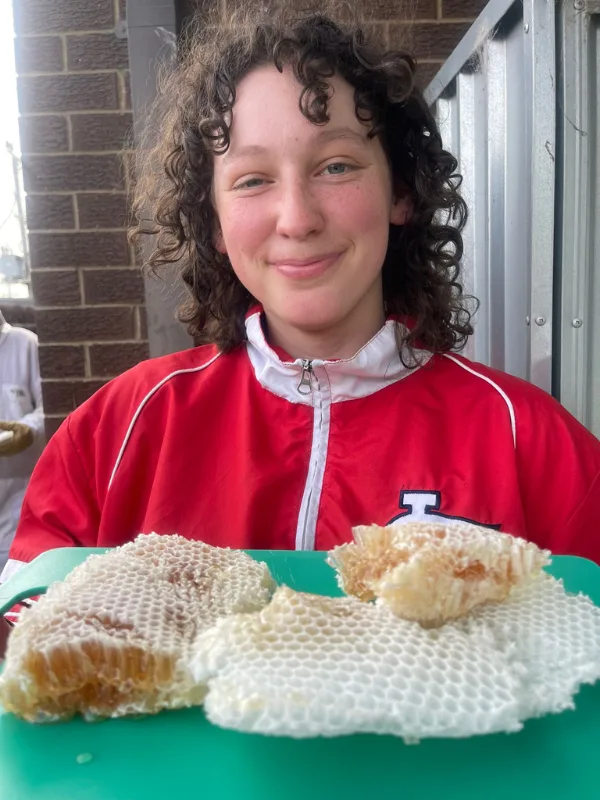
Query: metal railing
x=517, y=102
x=495, y=103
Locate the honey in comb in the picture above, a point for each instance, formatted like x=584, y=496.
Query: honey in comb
x=113, y=637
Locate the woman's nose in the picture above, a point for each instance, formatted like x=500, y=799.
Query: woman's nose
x=299, y=213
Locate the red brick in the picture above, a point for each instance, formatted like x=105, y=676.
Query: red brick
x=399, y=38
x=67, y=92
x=426, y=73
x=129, y=170
x=57, y=16
x=55, y=288
x=78, y=249
x=86, y=324
x=19, y=314
x=126, y=100
x=96, y=51
x=61, y=361
x=463, y=8
x=113, y=286
x=390, y=10
x=101, y=131
x=43, y=134
x=109, y=360
x=50, y=211
x=102, y=210
x=52, y=424
x=62, y=397
x=72, y=173
x=433, y=41
x=38, y=54
x=143, y=317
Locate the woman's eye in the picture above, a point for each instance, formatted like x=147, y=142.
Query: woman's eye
x=251, y=183
x=336, y=169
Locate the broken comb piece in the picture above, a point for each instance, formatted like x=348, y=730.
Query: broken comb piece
x=432, y=573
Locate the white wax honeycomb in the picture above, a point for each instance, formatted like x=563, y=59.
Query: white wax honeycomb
x=552, y=635
x=113, y=638
x=164, y=622
x=432, y=572
x=306, y=665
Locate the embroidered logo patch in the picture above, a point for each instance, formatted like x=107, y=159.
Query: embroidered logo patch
x=424, y=506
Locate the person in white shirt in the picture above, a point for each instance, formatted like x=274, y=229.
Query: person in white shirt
x=21, y=424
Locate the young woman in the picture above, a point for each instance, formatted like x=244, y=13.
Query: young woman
x=301, y=181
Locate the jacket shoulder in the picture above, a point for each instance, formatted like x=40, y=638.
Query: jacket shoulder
x=117, y=401
x=514, y=390
x=534, y=413
x=151, y=372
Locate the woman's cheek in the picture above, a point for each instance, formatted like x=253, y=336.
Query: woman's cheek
x=245, y=228
x=361, y=207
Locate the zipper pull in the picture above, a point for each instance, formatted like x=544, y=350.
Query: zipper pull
x=305, y=385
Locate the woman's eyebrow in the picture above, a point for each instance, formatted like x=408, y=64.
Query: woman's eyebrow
x=321, y=137
x=242, y=152
x=331, y=134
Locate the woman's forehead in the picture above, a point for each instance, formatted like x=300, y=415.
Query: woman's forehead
x=268, y=106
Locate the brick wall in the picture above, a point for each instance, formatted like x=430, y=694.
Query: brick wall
x=20, y=315
x=75, y=105
x=74, y=99
x=430, y=28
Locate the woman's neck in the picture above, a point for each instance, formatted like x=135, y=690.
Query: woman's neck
x=341, y=342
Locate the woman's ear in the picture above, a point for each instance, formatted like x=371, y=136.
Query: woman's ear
x=401, y=210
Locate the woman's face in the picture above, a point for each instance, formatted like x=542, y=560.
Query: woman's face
x=304, y=211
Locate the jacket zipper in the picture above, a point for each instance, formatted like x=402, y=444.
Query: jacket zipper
x=307, y=521
x=305, y=385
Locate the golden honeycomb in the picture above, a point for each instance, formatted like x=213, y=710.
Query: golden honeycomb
x=113, y=637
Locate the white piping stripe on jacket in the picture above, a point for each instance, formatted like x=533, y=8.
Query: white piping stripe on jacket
x=140, y=408
x=501, y=392
x=313, y=488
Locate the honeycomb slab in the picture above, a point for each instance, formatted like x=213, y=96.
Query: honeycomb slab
x=114, y=637
x=313, y=666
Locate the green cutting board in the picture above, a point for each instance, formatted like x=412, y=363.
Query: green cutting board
x=180, y=755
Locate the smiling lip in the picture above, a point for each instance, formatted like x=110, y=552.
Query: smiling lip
x=305, y=268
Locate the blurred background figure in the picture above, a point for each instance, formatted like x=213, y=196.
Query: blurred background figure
x=21, y=424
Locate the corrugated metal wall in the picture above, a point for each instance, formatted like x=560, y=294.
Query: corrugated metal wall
x=497, y=115
x=578, y=212
x=517, y=103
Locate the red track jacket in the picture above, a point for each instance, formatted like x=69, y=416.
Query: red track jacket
x=251, y=450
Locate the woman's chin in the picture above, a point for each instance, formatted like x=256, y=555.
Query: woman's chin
x=311, y=322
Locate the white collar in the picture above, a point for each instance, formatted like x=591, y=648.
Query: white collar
x=376, y=365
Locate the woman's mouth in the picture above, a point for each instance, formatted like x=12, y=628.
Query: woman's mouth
x=303, y=269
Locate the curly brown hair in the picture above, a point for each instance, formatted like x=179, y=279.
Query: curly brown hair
x=421, y=269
